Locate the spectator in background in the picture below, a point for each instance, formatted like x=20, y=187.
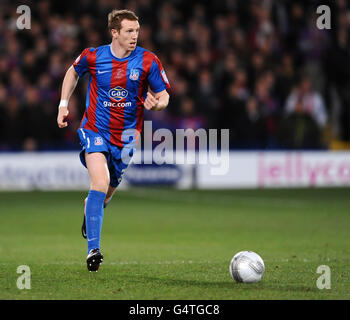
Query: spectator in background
x=256, y=66
x=190, y=71
x=163, y=36
x=224, y=70
x=338, y=72
x=17, y=84
x=180, y=89
x=46, y=92
x=206, y=97
x=240, y=84
x=190, y=119
x=310, y=101
x=299, y=130
x=269, y=105
x=263, y=35
x=33, y=115
x=313, y=43
x=233, y=108
x=12, y=125
x=3, y=99
x=296, y=23
x=41, y=50
x=28, y=66
x=239, y=43
x=285, y=77
x=251, y=128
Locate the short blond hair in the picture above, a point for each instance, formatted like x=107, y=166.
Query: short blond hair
x=116, y=17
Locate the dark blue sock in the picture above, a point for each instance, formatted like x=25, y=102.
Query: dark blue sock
x=94, y=218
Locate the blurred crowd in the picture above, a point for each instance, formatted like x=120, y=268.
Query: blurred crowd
x=259, y=68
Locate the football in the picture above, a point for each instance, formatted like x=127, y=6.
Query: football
x=247, y=266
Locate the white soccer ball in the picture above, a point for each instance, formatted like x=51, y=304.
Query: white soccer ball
x=247, y=266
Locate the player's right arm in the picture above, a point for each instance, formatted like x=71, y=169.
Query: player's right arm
x=69, y=83
x=76, y=71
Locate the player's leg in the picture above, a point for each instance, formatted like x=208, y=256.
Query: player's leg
x=110, y=192
x=108, y=199
x=116, y=170
x=116, y=167
x=96, y=164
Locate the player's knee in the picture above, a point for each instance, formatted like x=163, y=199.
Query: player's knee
x=100, y=185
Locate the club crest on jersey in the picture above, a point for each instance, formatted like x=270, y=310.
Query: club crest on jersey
x=98, y=141
x=134, y=74
x=118, y=93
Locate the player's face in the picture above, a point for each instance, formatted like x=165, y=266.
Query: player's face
x=128, y=34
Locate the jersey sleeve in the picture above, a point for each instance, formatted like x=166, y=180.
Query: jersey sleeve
x=81, y=63
x=156, y=77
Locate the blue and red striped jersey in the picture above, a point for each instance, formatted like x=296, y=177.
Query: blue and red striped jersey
x=117, y=89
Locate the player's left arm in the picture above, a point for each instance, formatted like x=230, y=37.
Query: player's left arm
x=157, y=98
x=156, y=101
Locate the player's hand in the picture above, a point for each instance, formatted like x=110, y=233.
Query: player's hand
x=62, y=117
x=150, y=102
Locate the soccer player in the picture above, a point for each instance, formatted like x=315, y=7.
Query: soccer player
x=123, y=80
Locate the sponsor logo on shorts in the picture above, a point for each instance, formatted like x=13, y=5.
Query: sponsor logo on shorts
x=118, y=93
x=98, y=141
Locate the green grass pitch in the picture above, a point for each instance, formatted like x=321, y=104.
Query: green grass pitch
x=170, y=244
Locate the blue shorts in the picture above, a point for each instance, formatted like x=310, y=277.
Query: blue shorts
x=117, y=158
